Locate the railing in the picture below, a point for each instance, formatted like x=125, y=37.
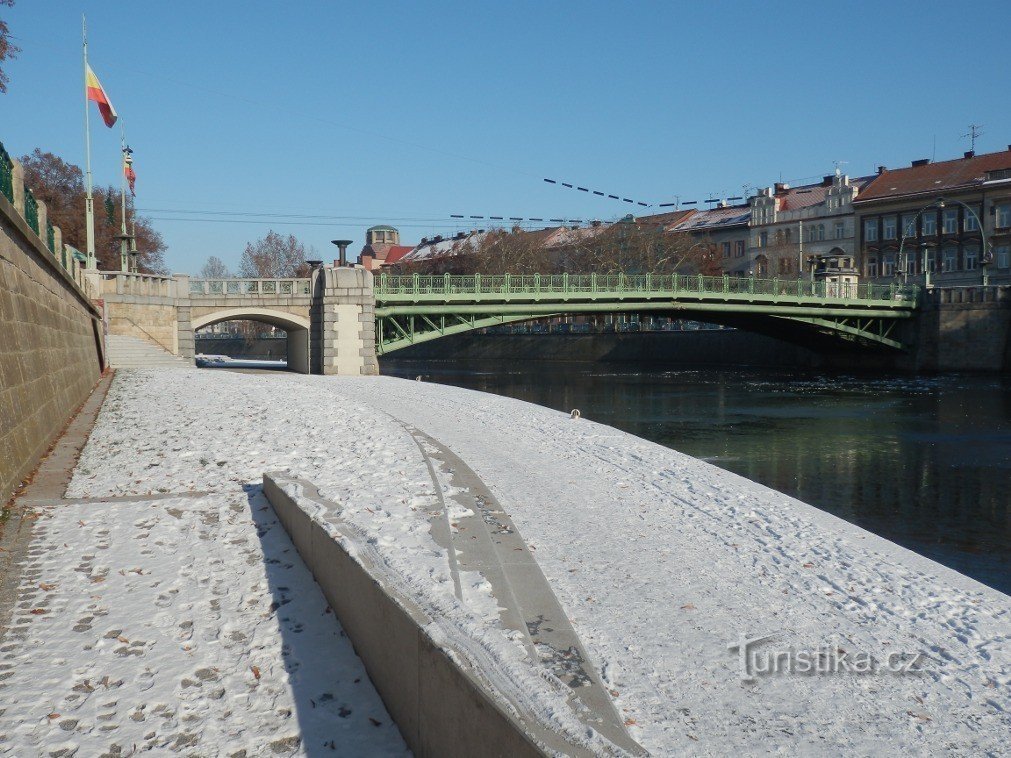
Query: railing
x=6, y=175
x=387, y=285
x=31, y=210
x=51, y=237
x=144, y=285
x=213, y=287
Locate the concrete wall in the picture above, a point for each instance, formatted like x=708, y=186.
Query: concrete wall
x=440, y=709
x=144, y=306
x=51, y=353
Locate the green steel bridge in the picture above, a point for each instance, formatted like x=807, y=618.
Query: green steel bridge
x=414, y=309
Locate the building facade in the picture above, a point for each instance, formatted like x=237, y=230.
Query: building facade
x=725, y=228
x=951, y=219
x=793, y=228
x=382, y=248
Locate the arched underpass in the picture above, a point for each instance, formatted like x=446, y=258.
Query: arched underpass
x=296, y=330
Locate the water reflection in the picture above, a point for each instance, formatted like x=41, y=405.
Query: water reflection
x=925, y=462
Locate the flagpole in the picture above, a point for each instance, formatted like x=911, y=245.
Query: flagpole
x=89, y=201
x=124, y=262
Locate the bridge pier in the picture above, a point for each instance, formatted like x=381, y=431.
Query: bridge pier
x=343, y=322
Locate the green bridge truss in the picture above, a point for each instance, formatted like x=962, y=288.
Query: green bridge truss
x=415, y=309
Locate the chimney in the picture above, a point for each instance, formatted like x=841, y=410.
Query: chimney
x=826, y=181
x=920, y=162
x=881, y=170
x=781, y=187
x=969, y=154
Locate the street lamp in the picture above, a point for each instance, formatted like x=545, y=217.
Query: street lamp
x=342, y=245
x=908, y=231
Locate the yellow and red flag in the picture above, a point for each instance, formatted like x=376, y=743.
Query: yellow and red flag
x=128, y=172
x=96, y=93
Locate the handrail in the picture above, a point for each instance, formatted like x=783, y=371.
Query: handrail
x=387, y=285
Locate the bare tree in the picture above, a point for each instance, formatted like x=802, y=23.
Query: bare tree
x=274, y=256
x=7, y=48
x=215, y=268
x=60, y=185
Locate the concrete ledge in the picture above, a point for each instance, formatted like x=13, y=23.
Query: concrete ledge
x=440, y=709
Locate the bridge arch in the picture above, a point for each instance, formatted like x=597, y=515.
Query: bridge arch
x=296, y=326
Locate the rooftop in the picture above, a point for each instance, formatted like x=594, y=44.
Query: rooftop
x=924, y=178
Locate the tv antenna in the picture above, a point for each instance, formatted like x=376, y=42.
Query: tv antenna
x=838, y=166
x=974, y=133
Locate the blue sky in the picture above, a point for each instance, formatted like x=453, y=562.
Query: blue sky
x=409, y=112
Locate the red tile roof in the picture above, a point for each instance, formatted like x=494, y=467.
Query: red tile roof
x=395, y=253
x=934, y=178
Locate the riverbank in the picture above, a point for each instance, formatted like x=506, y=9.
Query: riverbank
x=659, y=560
x=921, y=461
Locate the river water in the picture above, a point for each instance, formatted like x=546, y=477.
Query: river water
x=924, y=462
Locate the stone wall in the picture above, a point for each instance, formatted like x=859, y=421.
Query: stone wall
x=51, y=353
x=965, y=329
x=343, y=318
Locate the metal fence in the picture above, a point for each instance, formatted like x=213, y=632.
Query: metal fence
x=6, y=175
x=31, y=210
x=387, y=285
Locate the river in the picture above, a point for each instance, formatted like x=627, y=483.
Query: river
x=922, y=461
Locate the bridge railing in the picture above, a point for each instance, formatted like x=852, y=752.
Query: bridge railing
x=387, y=285
x=219, y=287
x=140, y=285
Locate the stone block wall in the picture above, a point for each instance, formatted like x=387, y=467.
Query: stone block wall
x=343, y=316
x=966, y=329
x=51, y=348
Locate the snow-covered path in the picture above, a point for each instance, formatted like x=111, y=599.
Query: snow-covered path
x=661, y=561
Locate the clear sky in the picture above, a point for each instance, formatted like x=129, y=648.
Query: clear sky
x=407, y=113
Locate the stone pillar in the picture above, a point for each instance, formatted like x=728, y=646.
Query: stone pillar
x=343, y=333
x=18, y=180
x=43, y=223
x=185, y=342
x=58, y=249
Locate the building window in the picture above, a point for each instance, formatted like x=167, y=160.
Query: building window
x=908, y=224
x=971, y=258
x=949, y=259
x=763, y=239
x=1004, y=256
x=1004, y=215
x=739, y=249
x=951, y=221
x=840, y=230
x=872, y=267
x=811, y=233
x=871, y=230
x=928, y=224
x=888, y=228
x=821, y=231
x=970, y=224
x=888, y=264
x=726, y=249
x=784, y=266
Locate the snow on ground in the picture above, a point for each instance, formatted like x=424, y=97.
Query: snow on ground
x=660, y=560
x=182, y=624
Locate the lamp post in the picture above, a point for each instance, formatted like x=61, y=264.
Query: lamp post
x=910, y=230
x=925, y=246
x=342, y=245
